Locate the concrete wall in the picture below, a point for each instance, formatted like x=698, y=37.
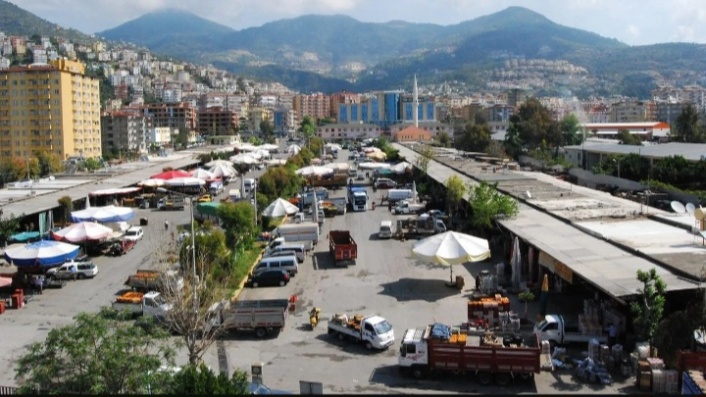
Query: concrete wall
x=588, y=179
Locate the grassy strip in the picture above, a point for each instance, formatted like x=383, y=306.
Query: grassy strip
x=243, y=265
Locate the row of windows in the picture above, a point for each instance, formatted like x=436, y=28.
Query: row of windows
x=6, y=132
x=361, y=129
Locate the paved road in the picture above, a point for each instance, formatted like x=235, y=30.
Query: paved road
x=386, y=281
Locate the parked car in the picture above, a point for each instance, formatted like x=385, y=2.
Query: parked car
x=385, y=183
x=204, y=198
x=269, y=278
x=65, y=271
x=134, y=233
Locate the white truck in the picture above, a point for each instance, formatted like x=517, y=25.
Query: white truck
x=306, y=233
x=555, y=330
x=374, y=331
x=142, y=304
x=406, y=207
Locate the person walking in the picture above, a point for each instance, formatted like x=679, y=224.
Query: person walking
x=74, y=272
x=166, y=225
x=39, y=283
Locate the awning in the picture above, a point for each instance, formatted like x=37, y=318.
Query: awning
x=111, y=192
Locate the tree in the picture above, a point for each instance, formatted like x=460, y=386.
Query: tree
x=425, y=155
x=569, y=127
x=96, y=355
x=200, y=380
x=268, y=131
x=316, y=145
x=474, y=138
x=444, y=139
x=688, y=128
x=49, y=163
x=279, y=182
x=8, y=227
x=626, y=138
x=238, y=220
x=455, y=192
x=487, y=204
x=533, y=123
x=67, y=205
x=182, y=138
x=648, y=309
x=307, y=128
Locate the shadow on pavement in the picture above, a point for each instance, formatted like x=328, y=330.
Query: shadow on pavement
x=408, y=289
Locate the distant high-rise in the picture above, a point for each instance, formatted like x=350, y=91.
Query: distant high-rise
x=52, y=108
x=415, y=103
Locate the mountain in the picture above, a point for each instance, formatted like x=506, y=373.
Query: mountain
x=16, y=21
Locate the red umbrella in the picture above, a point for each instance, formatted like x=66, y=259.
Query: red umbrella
x=167, y=175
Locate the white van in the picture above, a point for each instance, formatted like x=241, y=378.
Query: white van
x=298, y=250
x=288, y=263
x=234, y=195
x=306, y=233
x=216, y=188
x=249, y=185
x=385, y=229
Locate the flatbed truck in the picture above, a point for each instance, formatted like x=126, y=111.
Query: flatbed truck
x=373, y=331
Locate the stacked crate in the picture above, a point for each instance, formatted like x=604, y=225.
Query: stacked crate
x=671, y=381
x=488, y=309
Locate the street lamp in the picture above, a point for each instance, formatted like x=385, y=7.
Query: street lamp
x=193, y=239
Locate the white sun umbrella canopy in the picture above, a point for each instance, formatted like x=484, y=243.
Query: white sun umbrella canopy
x=339, y=166
x=187, y=181
x=268, y=146
x=216, y=162
x=275, y=162
x=264, y=154
x=156, y=182
x=279, y=208
x=333, y=146
x=244, y=158
x=400, y=168
x=294, y=149
x=105, y=214
x=83, y=231
x=314, y=170
x=452, y=248
x=202, y=174
x=246, y=147
x=373, y=166
x=223, y=171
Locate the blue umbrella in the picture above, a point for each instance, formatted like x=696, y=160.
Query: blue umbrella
x=42, y=253
x=105, y=214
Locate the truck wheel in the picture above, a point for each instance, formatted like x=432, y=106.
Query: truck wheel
x=81, y=276
x=368, y=345
x=282, y=283
x=484, y=378
x=525, y=376
x=260, y=332
x=255, y=284
x=502, y=379
x=418, y=372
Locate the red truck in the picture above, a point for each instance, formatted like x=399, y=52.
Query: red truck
x=343, y=248
x=426, y=350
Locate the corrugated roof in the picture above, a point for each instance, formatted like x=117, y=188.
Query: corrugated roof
x=690, y=151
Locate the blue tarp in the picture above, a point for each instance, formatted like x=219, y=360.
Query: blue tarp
x=440, y=331
x=24, y=236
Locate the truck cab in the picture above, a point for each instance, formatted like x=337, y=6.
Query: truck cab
x=413, y=350
x=550, y=329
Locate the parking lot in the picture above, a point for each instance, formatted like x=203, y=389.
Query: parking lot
x=386, y=281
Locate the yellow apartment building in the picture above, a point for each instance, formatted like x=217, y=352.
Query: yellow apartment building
x=49, y=107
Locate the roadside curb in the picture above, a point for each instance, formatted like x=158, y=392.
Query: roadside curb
x=236, y=293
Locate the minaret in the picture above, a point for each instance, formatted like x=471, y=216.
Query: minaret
x=415, y=104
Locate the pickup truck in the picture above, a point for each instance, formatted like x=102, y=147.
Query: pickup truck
x=154, y=280
x=342, y=247
x=406, y=207
x=555, y=330
x=373, y=331
x=422, y=225
x=263, y=317
x=141, y=304
x=170, y=203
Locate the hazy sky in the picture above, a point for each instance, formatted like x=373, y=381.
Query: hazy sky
x=634, y=22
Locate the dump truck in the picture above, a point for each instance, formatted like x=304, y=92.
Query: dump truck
x=438, y=348
x=142, y=304
x=171, y=203
x=422, y=225
x=557, y=331
x=154, y=280
x=342, y=247
x=373, y=331
x=263, y=317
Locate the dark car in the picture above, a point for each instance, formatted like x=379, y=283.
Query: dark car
x=269, y=278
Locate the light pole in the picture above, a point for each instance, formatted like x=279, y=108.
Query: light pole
x=193, y=240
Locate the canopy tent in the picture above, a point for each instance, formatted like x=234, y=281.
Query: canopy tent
x=372, y=166
x=268, y=146
x=216, y=162
x=152, y=182
x=451, y=248
x=264, y=154
x=244, y=158
x=112, y=192
x=201, y=173
x=186, y=181
x=294, y=149
x=208, y=208
x=82, y=231
x=275, y=162
x=339, y=166
x=24, y=237
x=245, y=147
x=279, y=208
x=376, y=155
x=167, y=175
x=105, y=214
x=223, y=171
x=314, y=170
x=333, y=146
x=42, y=253
x=401, y=168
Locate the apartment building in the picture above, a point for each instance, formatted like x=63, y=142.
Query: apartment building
x=124, y=130
x=343, y=132
x=217, y=121
x=317, y=106
x=173, y=115
x=53, y=108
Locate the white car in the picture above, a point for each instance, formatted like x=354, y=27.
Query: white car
x=134, y=233
x=70, y=270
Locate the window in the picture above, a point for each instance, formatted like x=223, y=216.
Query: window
x=411, y=349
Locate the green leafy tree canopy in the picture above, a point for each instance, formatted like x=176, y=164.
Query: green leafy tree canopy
x=487, y=204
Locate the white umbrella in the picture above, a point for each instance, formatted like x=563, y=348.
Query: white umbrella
x=105, y=214
x=156, y=182
x=245, y=147
x=214, y=163
x=190, y=181
x=202, y=174
x=268, y=146
x=414, y=191
x=314, y=170
x=376, y=155
x=83, y=231
x=400, y=168
x=280, y=207
x=333, y=146
x=372, y=166
x=244, y=158
x=276, y=162
x=515, y=262
x=294, y=149
x=262, y=153
x=452, y=248
x=222, y=171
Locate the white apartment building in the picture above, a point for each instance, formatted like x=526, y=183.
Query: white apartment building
x=349, y=131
